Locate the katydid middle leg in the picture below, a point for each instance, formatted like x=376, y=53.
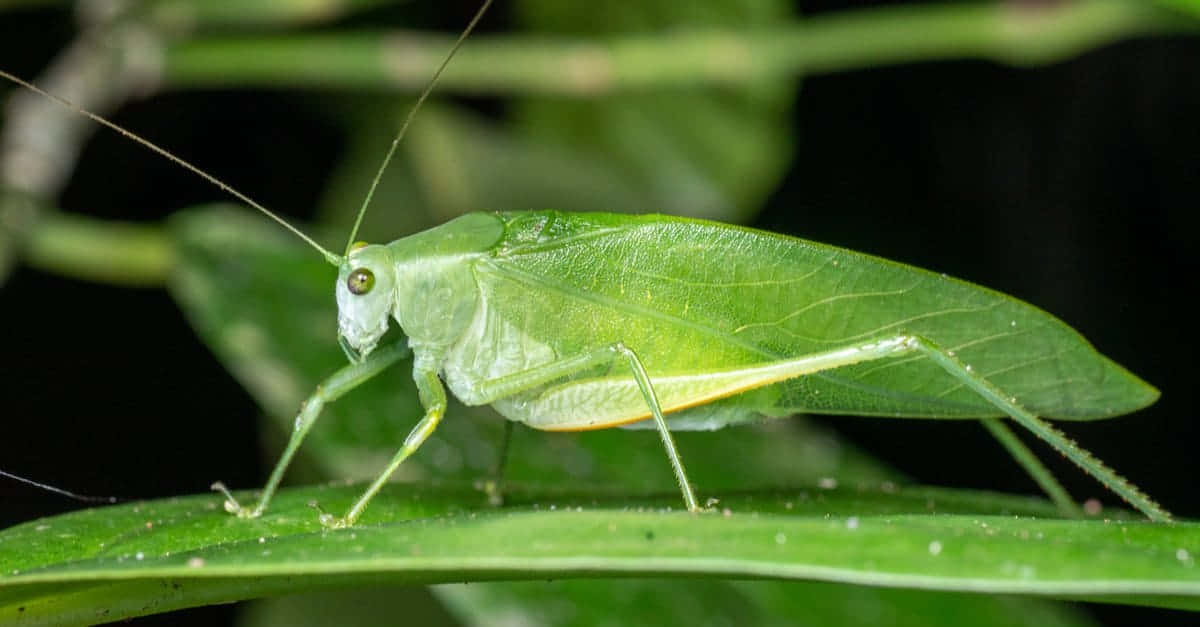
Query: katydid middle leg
x=494, y=389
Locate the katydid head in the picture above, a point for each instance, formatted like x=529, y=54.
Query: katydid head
x=365, y=292
x=366, y=282
x=366, y=279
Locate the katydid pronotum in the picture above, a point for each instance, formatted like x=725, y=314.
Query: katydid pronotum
x=582, y=321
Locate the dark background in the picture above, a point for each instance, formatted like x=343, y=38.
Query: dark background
x=1073, y=187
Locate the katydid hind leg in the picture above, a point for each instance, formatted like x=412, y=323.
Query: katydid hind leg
x=722, y=384
x=332, y=388
x=1043, y=430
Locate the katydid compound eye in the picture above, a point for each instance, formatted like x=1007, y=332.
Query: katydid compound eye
x=360, y=281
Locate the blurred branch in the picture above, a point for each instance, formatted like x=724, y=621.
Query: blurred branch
x=1001, y=32
x=41, y=140
x=187, y=15
x=118, y=253
x=130, y=254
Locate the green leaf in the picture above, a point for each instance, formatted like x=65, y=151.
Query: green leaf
x=128, y=560
x=1191, y=6
x=648, y=601
x=716, y=602
x=703, y=152
x=712, y=152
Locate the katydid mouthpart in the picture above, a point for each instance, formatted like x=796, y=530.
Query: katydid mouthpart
x=584, y=321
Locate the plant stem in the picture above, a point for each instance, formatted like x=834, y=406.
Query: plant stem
x=128, y=254
x=838, y=42
x=118, y=253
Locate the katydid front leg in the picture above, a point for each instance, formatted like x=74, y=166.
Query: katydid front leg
x=328, y=391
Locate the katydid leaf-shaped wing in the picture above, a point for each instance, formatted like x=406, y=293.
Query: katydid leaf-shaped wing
x=692, y=296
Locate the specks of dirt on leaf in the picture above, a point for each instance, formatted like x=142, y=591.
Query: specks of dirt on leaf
x=827, y=483
x=649, y=535
x=935, y=547
x=852, y=523
x=727, y=513
x=195, y=562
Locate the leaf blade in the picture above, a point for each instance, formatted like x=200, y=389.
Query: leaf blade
x=421, y=535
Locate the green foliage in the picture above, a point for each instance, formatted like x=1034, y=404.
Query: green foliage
x=577, y=505
x=1191, y=6
x=161, y=555
x=708, y=144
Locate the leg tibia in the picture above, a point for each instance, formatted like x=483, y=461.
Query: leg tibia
x=433, y=396
x=643, y=381
x=1043, y=430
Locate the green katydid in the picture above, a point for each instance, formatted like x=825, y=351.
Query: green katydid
x=583, y=321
